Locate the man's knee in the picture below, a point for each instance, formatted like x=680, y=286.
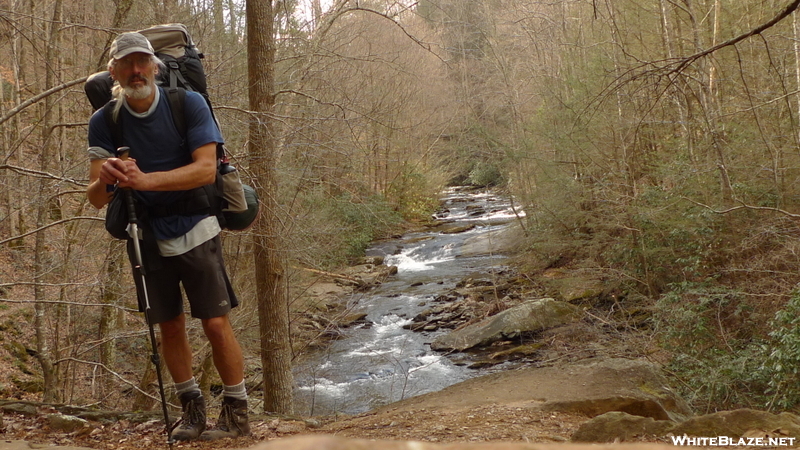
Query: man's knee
x=217, y=329
x=173, y=328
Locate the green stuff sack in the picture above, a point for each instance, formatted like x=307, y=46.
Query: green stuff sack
x=242, y=220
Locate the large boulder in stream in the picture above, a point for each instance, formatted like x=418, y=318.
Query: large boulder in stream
x=502, y=241
x=529, y=317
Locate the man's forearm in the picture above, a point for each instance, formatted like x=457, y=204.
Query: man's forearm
x=183, y=178
x=97, y=195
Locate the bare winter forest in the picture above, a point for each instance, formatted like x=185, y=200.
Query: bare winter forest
x=654, y=142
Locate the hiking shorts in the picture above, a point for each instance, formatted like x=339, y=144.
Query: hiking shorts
x=205, y=281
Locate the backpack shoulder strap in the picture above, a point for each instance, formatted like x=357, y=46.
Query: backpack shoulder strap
x=114, y=126
x=177, y=103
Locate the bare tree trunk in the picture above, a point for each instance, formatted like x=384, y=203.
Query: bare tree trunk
x=166, y=10
x=43, y=350
x=14, y=223
x=710, y=111
x=712, y=69
x=273, y=309
x=219, y=27
x=316, y=12
x=680, y=99
x=796, y=25
x=233, y=19
x=109, y=319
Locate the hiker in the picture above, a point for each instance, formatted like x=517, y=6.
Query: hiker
x=163, y=170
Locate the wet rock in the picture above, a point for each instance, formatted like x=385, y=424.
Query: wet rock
x=457, y=229
x=616, y=426
x=351, y=319
x=418, y=239
x=366, y=276
x=529, y=317
x=372, y=260
x=471, y=283
x=443, y=316
x=483, y=364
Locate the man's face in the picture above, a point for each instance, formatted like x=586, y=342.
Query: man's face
x=136, y=75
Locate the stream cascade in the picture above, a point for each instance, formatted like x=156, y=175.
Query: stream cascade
x=380, y=361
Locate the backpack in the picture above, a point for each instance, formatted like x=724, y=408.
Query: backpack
x=235, y=204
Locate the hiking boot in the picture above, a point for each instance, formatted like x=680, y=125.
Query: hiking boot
x=193, y=422
x=232, y=421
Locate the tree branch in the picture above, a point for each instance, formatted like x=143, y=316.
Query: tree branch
x=25, y=170
x=61, y=302
x=118, y=376
x=58, y=222
x=789, y=9
x=42, y=95
x=667, y=68
x=426, y=46
x=744, y=206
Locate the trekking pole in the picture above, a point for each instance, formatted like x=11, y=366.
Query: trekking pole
x=133, y=232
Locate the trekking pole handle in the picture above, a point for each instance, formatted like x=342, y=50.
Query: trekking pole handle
x=123, y=153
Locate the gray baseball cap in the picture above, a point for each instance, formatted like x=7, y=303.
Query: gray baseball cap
x=127, y=43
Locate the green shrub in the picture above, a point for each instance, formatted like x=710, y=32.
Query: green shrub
x=783, y=361
x=485, y=174
x=363, y=221
x=715, y=354
x=336, y=229
x=412, y=195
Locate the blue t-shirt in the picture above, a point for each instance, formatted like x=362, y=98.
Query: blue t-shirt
x=156, y=145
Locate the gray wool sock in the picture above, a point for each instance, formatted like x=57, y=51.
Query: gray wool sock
x=238, y=391
x=187, y=386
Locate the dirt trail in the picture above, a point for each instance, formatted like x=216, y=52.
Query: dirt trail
x=454, y=415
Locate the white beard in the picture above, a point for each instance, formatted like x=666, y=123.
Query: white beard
x=139, y=93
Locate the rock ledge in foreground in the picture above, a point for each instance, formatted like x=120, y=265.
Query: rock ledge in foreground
x=336, y=443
